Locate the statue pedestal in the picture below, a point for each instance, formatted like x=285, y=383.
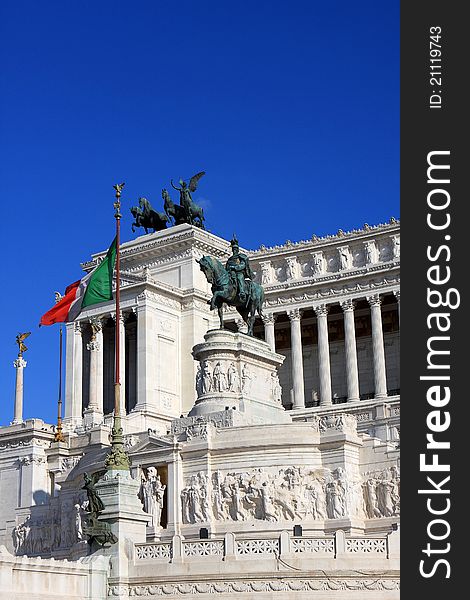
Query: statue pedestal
x=238, y=373
x=123, y=511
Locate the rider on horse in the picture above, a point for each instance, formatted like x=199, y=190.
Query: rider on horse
x=238, y=265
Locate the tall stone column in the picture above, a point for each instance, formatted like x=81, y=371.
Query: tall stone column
x=324, y=370
x=396, y=293
x=269, y=320
x=94, y=411
x=122, y=361
x=73, y=373
x=146, y=354
x=297, y=359
x=378, y=349
x=352, y=375
x=19, y=365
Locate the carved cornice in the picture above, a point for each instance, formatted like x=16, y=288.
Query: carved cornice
x=281, y=585
x=341, y=237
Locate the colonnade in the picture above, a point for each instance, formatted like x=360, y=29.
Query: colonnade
x=324, y=370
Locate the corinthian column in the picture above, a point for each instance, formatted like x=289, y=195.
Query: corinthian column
x=396, y=293
x=323, y=355
x=378, y=350
x=19, y=365
x=94, y=411
x=297, y=359
x=122, y=362
x=73, y=373
x=352, y=376
x=269, y=320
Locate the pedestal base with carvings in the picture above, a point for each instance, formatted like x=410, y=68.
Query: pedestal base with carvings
x=238, y=372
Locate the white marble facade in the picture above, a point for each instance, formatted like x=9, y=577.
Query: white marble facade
x=233, y=441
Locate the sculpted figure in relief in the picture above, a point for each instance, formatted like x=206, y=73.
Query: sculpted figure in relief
x=152, y=493
x=220, y=381
x=265, y=273
x=206, y=378
x=233, y=383
x=381, y=493
x=317, y=264
x=199, y=381
x=344, y=259
x=395, y=246
x=276, y=391
x=370, y=252
x=291, y=268
x=246, y=379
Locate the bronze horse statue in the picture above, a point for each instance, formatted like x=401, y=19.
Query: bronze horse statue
x=148, y=218
x=225, y=290
x=172, y=210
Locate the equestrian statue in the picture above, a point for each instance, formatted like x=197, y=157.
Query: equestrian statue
x=234, y=286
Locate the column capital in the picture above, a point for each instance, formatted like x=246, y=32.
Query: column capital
x=347, y=305
x=19, y=363
x=77, y=327
x=374, y=300
x=396, y=293
x=268, y=318
x=93, y=345
x=294, y=314
x=96, y=327
x=122, y=316
x=321, y=310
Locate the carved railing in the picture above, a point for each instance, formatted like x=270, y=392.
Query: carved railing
x=240, y=548
x=151, y=551
x=204, y=548
x=301, y=545
x=368, y=545
x=249, y=547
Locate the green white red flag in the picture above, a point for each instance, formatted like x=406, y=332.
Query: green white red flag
x=94, y=288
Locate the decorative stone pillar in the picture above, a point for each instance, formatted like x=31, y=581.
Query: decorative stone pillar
x=378, y=349
x=174, y=487
x=122, y=361
x=73, y=373
x=269, y=319
x=19, y=365
x=146, y=353
x=297, y=359
x=324, y=370
x=352, y=376
x=94, y=411
x=396, y=293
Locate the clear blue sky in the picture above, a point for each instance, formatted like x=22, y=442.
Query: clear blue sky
x=292, y=109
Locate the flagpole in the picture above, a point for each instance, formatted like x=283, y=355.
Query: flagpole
x=117, y=457
x=59, y=436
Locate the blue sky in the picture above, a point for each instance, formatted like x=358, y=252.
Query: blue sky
x=292, y=109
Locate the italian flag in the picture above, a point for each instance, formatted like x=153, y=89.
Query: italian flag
x=95, y=287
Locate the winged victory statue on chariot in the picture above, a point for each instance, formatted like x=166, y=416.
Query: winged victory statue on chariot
x=187, y=211
x=232, y=283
